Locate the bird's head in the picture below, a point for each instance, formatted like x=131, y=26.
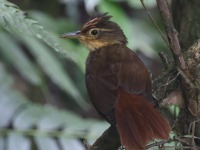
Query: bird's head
x=98, y=32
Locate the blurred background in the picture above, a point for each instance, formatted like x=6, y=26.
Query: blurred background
x=44, y=104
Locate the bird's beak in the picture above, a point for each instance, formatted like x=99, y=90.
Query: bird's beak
x=71, y=35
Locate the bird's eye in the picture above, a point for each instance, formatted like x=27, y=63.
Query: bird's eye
x=94, y=32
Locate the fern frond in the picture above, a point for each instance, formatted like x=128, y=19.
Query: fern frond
x=14, y=20
x=21, y=121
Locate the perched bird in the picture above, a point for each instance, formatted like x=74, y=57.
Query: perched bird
x=119, y=84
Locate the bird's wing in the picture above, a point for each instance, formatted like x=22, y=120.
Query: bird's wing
x=103, y=94
x=131, y=74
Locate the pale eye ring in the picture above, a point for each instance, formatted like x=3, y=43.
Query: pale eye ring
x=94, y=32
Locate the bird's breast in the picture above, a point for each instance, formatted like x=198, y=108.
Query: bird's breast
x=97, y=64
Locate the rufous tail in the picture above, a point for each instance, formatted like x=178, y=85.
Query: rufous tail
x=138, y=122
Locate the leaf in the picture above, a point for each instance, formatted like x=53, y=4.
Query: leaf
x=119, y=16
x=70, y=144
x=13, y=53
x=46, y=123
x=8, y=107
x=2, y=143
x=53, y=68
x=14, y=20
x=75, y=51
x=26, y=120
x=5, y=80
x=18, y=141
x=124, y=22
x=41, y=122
x=28, y=116
x=97, y=129
x=45, y=143
x=137, y=4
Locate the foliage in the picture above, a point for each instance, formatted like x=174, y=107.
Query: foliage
x=44, y=126
x=24, y=124
x=23, y=27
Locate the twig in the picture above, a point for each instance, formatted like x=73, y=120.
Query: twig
x=186, y=142
x=179, y=139
x=158, y=143
x=192, y=126
x=178, y=147
x=155, y=24
x=43, y=133
x=172, y=36
x=165, y=59
x=186, y=78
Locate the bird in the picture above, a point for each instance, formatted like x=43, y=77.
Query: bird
x=119, y=84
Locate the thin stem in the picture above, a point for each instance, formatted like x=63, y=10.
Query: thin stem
x=46, y=133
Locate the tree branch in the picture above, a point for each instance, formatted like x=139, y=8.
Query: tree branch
x=187, y=82
x=172, y=35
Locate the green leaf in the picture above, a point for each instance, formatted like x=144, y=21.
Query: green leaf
x=27, y=115
x=137, y=3
x=45, y=143
x=8, y=107
x=22, y=120
x=14, y=20
x=13, y=53
x=75, y=51
x=2, y=142
x=119, y=17
x=70, y=144
x=53, y=68
x=45, y=123
x=18, y=141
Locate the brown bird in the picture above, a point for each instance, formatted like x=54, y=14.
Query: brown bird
x=119, y=84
